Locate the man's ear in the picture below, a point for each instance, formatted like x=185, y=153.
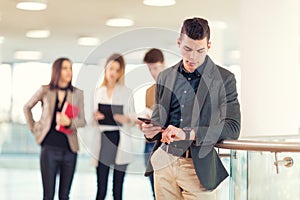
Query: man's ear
x=179, y=42
x=208, y=45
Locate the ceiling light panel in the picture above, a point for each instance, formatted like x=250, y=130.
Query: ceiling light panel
x=159, y=2
x=38, y=34
x=1, y=39
x=119, y=22
x=88, y=41
x=32, y=5
x=28, y=55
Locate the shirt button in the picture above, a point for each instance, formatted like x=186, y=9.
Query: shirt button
x=181, y=120
x=184, y=91
x=189, y=78
x=182, y=106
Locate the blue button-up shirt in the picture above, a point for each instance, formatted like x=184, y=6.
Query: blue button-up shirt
x=183, y=96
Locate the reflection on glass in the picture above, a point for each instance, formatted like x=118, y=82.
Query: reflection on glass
x=239, y=175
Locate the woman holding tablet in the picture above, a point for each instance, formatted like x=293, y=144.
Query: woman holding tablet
x=113, y=142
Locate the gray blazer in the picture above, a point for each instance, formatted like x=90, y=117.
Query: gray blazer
x=47, y=97
x=215, y=117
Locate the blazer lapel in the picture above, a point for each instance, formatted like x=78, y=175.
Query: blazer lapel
x=69, y=96
x=169, y=85
x=202, y=91
x=52, y=98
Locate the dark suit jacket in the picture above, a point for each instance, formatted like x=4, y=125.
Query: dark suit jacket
x=215, y=117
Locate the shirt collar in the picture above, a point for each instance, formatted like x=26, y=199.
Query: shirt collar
x=198, y=71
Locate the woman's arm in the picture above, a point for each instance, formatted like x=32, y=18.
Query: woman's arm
x=38, y=96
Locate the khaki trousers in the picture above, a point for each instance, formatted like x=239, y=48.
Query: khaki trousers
x=175, y=178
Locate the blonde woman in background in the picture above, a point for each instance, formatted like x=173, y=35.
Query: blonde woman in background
x=113, y=142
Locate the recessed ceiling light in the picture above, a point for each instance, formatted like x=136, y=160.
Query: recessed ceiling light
x=119, y=22
x=32, y=5
x=28, y=55
x=88, y=41
x=159, y=2
x=1, y=39
x=38, y=34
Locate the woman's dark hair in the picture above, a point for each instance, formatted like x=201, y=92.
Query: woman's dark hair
x=56, y=71
x=154, y=56
x=196, y=28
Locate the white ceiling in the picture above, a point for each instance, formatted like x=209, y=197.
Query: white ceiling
x=69, y=19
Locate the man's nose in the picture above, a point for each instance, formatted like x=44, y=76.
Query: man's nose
x=192, y=55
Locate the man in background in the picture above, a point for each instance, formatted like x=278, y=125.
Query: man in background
x=154, y=59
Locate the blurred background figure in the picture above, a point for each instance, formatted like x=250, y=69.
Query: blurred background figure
x=59, y=147
x=113, y=142
x=154, y=59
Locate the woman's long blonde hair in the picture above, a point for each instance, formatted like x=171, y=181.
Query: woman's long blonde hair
x=117, y=58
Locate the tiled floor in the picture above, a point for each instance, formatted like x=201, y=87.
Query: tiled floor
x=20, y=175
x=25, y=184
x=20, y=180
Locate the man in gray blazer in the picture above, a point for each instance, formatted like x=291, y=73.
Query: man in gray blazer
x=196, y=105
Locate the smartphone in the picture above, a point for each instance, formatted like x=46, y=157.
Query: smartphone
x=148, y=121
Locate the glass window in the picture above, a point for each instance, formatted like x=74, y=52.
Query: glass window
x=76, y=67
x=27, y=79
x=5, y=90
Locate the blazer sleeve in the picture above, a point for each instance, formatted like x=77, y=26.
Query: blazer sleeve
x=38, y=96
x=228, y=126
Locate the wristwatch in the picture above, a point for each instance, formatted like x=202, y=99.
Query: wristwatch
x=187, y=131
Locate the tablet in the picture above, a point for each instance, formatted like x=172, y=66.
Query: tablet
x=109, y=110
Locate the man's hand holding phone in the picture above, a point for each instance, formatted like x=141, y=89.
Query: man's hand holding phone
x=150, y=128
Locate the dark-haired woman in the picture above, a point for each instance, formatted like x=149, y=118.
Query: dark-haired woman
x=58, y=149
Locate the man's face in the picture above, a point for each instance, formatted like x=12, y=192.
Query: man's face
x=193, y=52
x=155, y=68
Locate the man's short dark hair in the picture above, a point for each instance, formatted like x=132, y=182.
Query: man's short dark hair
x=154, y=56
x=196, y=28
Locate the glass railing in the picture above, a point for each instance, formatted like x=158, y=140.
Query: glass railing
x=266, y=169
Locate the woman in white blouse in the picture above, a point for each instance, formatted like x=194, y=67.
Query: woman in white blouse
x=114, y=141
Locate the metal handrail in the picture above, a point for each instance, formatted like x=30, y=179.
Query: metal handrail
x=252, y=145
